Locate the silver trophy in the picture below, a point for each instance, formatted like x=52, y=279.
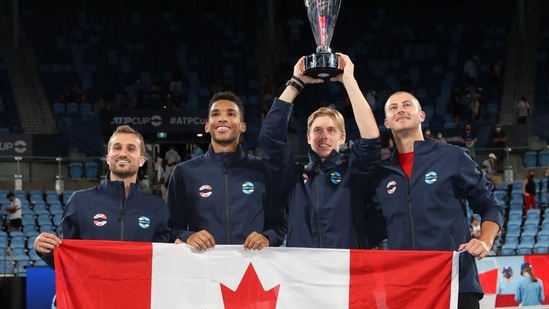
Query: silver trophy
x=322, y=17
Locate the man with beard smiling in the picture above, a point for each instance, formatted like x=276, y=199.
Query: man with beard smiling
x=224, y=196
x=117, y=209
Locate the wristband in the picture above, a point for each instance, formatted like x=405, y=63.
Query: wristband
x=298, y=80
x=294, y=84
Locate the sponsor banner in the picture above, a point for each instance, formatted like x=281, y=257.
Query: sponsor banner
x=156, y=120
x=16, y=145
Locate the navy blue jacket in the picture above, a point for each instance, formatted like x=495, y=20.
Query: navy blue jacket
x=327, y=206
x=429, y=211
x=226, y=194
x=104, y=213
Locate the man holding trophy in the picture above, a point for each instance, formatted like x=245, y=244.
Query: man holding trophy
x=326, y=206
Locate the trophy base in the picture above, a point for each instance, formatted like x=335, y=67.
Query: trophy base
x=323, y=65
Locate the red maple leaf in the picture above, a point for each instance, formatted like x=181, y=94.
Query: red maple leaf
x=249, y=293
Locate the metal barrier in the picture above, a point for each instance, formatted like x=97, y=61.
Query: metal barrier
x=22, y=173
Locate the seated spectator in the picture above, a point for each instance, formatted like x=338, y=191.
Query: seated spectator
x=489, y=164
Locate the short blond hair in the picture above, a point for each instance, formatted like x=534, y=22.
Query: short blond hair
x=330, y=112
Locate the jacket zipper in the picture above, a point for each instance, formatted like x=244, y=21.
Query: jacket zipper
x=122, y=217
x=411, y=216
x=317, y=208
x=226, y=176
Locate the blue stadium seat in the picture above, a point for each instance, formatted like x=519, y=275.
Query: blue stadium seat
x=52, y=197
x=517, y=185
x=72, y=109
x=66, y=195
x=26, y=206
x=4, y=238
x=545, y=224
x=543, y=236
x=543, y=158
x=19, y=253
x=515, y=205
x=515, y=216
x=56, y=208
x=541, y=247
x=533, y=214
x=30, y=241
x=57, y=220
x=30, y=233
x=7, y=267
x=530, y=159
x=43, y=219
x=525, y=248
x=39, y=205
x=76, y=170
x=530, y=228
x=508, y=249
x=513, y=229
x=33, y=255
x=516, y=196
x=511, y=240
x=91, y=169
x=527, y=238
x=28, y=216
x=21, y=267
x=20, y=194
x=58, y=109
x=36, y=195
x=47, y=228
x=86, y=110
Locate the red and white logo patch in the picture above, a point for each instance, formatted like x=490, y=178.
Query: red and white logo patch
x=100, y=219
x=391, y=187
x=205, y=191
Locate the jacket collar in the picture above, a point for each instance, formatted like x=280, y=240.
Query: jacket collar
x=317, y=165
x=116, y=185
x=236, y=156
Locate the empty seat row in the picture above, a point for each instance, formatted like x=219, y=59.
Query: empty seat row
x=534, y=158
x=80, y=170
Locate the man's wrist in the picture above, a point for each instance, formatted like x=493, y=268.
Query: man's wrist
x=294, y=84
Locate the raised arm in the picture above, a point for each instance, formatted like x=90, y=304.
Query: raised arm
x=364, y=116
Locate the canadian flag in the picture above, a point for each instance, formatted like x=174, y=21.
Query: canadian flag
x=109, y=274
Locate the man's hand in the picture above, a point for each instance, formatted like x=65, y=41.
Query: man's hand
x=201, y=240
x=256, y=241
x=45, y=243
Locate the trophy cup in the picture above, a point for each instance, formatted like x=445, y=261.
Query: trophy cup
x=322, y=17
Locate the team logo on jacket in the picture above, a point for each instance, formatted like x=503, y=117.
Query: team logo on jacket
x=335, y=177
x=144, y=222
x=248, y=187
x=205, y=191
x=391, y=187
x=431, y=178
x=100, y=219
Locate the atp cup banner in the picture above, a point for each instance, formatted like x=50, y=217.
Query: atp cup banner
x=107, y=274
x=152, y=121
